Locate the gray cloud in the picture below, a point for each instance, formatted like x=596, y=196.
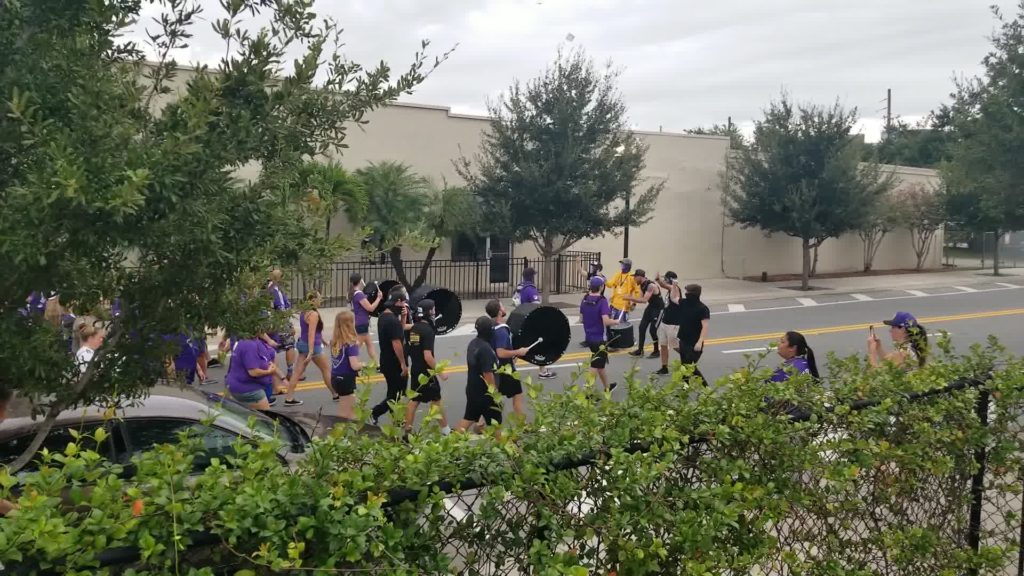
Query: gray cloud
x=684, y=63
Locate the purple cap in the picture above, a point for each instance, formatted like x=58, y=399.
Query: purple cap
x=902, y=320
x=596, y=283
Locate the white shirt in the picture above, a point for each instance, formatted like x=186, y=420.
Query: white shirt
x=83, y=357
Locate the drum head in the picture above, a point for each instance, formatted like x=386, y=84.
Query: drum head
x=529, y=322
x=447, y=307
x=385, y=288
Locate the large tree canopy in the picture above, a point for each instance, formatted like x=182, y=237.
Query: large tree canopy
x=985, y=179
x=801, y=176
x=559, y=163
x=119, y=179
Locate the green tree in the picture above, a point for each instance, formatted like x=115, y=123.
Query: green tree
x=559, y=163
x=407, y=211
x=801, y=176
x=122, y=179
x=882, y=218
x=922, y=211
x=925, y=145
x=737, y=140
x=985, y=179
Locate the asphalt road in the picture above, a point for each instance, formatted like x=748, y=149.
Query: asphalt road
x=838, y=326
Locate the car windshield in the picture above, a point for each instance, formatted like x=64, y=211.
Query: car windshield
x=239, y=416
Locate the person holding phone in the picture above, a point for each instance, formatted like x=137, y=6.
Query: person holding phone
x=910, y=343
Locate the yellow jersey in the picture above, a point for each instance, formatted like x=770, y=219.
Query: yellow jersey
x=623, y=284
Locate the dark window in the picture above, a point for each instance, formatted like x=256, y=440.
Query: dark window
x=143, y=434
x=466, y=248
x=56, y=441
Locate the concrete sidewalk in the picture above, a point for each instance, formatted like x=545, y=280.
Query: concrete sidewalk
x=727, y=291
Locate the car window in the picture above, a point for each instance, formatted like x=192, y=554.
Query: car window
x=56, y=441
x=240, y=416
x=142, y=434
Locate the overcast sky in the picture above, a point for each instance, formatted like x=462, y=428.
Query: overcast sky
x=685, y=63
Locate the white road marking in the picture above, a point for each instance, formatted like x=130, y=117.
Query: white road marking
x=965, y=288
x=917, y=293
x=862, y=297
x=806, y=302
x=737, y=308
x=746, y=350
x=1007, y=285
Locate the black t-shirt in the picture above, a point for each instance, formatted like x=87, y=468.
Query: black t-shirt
x=691, y=312
x=480, y=359
x=672, y=313
x=421, y=339
x=389, y=328
x=656, y=302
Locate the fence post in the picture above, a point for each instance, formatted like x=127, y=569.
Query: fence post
x=476, y=272
x=978, y=480
x=558, y=275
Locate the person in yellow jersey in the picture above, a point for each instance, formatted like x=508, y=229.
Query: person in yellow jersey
x=622, y=284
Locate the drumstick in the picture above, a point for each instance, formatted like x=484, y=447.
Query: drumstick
x=438, y=317
x=539, y=340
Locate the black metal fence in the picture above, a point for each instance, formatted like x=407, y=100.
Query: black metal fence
x=494, y=277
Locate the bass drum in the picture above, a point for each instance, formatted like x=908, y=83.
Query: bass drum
x=371, y=293
x=622, y=336
x=528, y=322
x=447, y=306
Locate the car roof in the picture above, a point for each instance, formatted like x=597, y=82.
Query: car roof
x=162, y=401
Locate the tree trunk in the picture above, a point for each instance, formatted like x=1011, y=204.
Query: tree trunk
x=814, y=263
x=806, y=275
x=547, y=277
x=421, y=277
x=395, y=254
x=995, y=254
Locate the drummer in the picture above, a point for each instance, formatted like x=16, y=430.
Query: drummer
x=508, y=381
x=596, y=315
x=362, y=307
x=527, y=293
x=623, y=285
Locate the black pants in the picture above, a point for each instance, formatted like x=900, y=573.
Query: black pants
x=688, y=356
x=396, y=387
x=649, y=321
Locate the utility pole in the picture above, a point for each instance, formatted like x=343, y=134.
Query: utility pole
x=888, y=109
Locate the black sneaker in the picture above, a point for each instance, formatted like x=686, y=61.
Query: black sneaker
x=295, y=402
x=209, y=382
x=637, y=353
x=612, y=387
x=654, y=354
x=662, y=371
x=272, y=401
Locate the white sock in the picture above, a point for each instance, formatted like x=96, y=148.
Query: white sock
x=446, y=431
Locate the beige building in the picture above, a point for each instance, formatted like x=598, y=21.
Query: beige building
x=688, y=233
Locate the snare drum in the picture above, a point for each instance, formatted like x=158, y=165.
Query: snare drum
x=621, y=336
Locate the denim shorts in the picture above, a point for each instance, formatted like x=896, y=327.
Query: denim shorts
x=303, y=347
x=252, y=397
x=362, y=329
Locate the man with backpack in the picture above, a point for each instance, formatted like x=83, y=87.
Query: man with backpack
x=527, y=293
x=596, y=315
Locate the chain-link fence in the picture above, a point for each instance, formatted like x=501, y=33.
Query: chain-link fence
x=964, y=249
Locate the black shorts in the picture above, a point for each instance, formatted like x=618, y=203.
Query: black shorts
x=480, y=404
x=509, y=384
x=428, y=392
x=343, y=385
x=687, y=355
x=362, y=329
x=285, y=341
x=598, y=354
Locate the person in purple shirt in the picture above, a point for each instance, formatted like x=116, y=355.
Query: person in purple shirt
x=797, y=358
x=35, y=304
x=527, y=293
x=285, y=339
x=595, y=312
x=252, y=368
x=362, y=307
x=187, y=362
x=345, y=363
x=311, y=349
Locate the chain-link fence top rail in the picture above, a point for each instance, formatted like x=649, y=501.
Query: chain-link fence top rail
x=925, y=478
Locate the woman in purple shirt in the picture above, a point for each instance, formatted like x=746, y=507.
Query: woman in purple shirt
x=797, y=358
x=310, y=347
x=252, y=369
x=345, y=363
x=362, y=308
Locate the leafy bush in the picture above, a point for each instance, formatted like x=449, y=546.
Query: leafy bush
x=676, y=478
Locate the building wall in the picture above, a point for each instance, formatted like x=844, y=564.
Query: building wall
x=687, y=233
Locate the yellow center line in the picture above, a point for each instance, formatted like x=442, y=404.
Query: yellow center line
x=764, y=337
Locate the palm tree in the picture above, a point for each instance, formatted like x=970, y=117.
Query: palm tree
x=405, y=210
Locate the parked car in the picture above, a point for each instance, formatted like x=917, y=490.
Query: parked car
x=157, y=419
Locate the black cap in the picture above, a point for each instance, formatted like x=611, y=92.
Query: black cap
x=640, y=272
x=671, y=275
x=355, y=278
x=425, y=305
x=484, y=327
x=529, y=272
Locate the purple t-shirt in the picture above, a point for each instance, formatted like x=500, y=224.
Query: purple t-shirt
x=279, y=298
x=529, y=293
x=362, y=316
x=188, y=353
x=247, y=355
x=304, y=328
x=592, y=309
x=502, y=340
x=340, y=365
x=796, y=365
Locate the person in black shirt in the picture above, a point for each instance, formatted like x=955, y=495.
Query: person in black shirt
x=480, y=363
x=694, y=318
x=650, y=294
x=425, y=385
x=391, y=335
x=668, y=324
x=508, y=382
